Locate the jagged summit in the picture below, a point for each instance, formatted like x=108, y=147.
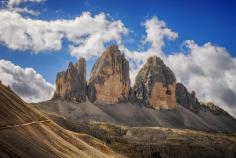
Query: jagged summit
x=113, y=49
x=109, y=81
x=186, y=99
x=155, y=85
x=71, y=84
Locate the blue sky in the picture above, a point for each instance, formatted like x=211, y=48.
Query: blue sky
x=196, y=39
x=203, y=21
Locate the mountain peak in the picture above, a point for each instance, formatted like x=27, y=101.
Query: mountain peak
x=113, y=48
x=81, y=66
x=154, y=60
x=155, y=85
x=70, y=65
x=71, y=85
x=109, y=81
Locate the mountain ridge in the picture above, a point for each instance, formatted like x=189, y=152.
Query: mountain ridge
x=156, y=99
x=112, y=63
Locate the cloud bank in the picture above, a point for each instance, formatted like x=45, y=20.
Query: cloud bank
x=86, y=34
x=13, y=6
x=26, y=82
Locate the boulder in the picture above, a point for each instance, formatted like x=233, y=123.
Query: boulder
x=109, y=81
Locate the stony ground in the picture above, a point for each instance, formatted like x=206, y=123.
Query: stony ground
x=135, y=115
x=156, y=142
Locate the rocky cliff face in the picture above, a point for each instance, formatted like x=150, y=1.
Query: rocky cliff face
x=71, y=84
x=109, y=81
x=186, y=99
x=155, y=85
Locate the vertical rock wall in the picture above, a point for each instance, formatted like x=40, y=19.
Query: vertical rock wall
x=71, y=84
x=109, y=81
x=155, y=85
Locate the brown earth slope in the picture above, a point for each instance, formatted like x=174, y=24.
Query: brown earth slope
x=25, y=132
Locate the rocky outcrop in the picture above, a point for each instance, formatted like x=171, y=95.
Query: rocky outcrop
x=186, y=99
x=71, y=84
x=216, y=110
x=155, y=85
x=190, y=102
x=109, y=81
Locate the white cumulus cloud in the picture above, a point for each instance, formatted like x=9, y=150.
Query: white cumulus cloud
x=156, y=34
x=13, y=5
x=210, y=71
x=26, y=82
x=86, y=34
